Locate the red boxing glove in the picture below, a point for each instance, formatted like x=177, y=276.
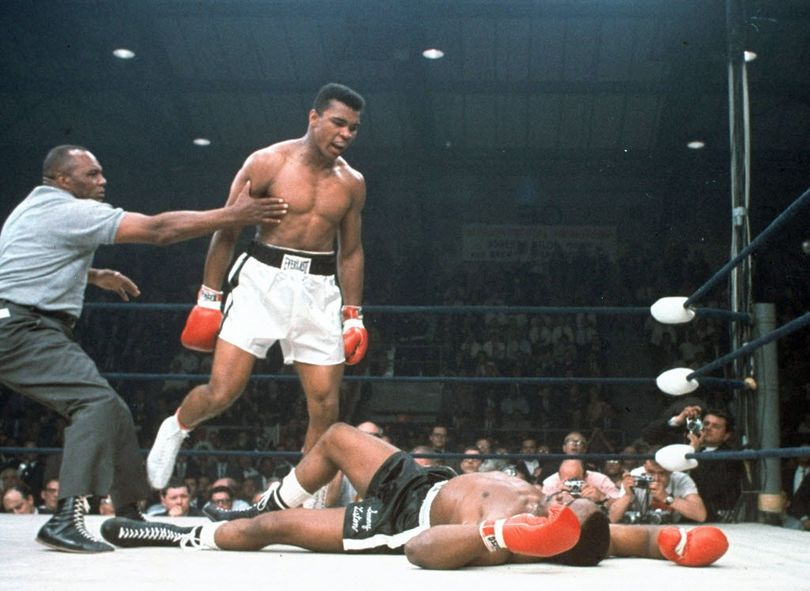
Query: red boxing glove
x=698, y=547
x=532, y=535
x=202, y=324
x=355, y=335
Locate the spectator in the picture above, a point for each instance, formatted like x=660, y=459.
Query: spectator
x=718, y=481
x=176, y=501
x=484, y=445
x=31, y=469
x=238, y=504
x=653, y=490
x=105, y=506
x=573, y=443
x=614, y=470
x=222, y=497
x=471, y=463
x=529, y=447
x=8, y=479
x=424, y=449
x=574, y=479
x=438, y=442
x=19, y=500
x=50, y=497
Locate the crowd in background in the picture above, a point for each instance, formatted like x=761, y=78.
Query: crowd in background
x=271, y=416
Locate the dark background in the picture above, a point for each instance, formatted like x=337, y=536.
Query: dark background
x=557, y=112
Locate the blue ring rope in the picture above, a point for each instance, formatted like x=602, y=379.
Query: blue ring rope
x=378, y=309
x=783, y=330
x=775, y=225
x=555, y=381
x=746, y=454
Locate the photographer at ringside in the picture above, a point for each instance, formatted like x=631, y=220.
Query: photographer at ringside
x=719, y=481
x=573, y=478
x=675, y=422
x=654, y=495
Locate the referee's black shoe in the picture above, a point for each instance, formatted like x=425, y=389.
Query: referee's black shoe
x=66, y=530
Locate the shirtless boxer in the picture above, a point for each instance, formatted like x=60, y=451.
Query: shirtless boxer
x=285, y=287
x=440, y=522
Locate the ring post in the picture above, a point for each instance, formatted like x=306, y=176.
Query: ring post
x=770, y=499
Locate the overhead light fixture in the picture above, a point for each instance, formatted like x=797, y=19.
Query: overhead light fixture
x=202, y=141
x=696, y=145
x=123, y=53
x=749, y=56
x=433, y=54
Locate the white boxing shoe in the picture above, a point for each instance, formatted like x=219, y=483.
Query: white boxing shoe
x=160, y=462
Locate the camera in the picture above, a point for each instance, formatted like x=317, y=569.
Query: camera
x=655, y=517
x=659, y=517
x=694, y=426
x=643, y=480
x=574, y=487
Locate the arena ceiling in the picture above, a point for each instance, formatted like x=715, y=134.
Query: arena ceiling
x=573, y=82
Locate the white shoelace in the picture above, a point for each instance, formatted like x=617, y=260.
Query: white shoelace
x=191, y=540
x=80, y=508
x=152, y=533
x=265, y=498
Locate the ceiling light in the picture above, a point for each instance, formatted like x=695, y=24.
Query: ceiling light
x=202, y=141
x=433, y=54
x=749, y=56
x=695, y=145
x=124, y=54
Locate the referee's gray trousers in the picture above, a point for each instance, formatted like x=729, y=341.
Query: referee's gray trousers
x=40, y=359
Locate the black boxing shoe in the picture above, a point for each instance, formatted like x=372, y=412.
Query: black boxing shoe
x=269, y=501
x=131, y=533
x=66, y=530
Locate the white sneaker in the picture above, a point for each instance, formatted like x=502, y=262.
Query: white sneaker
x=160, y=462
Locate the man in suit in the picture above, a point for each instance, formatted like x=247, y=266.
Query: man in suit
x=719, y=482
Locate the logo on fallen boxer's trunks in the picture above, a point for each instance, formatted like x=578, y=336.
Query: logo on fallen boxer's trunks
x=363, y=518
x=370, y=513
x=290, y=262
x=4, y=313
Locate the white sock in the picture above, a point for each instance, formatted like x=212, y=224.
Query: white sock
x=207, y=534
x=180, y=425
x=291, y=493
x=317, y=500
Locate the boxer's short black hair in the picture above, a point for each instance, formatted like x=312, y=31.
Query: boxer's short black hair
x=340, y=93
x=593, y=544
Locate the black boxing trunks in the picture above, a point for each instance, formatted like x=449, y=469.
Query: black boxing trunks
x=389, y=515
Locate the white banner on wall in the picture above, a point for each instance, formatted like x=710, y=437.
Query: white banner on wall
x=533, y=243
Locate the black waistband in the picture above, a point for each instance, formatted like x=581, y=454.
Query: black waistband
x=313, y=264
x=69, y=319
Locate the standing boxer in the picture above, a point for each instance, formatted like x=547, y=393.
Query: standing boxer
x=284, y=288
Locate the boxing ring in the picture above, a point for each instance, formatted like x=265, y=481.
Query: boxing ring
x=759, y=557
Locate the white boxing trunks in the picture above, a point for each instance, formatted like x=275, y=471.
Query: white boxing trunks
x=287, y=296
